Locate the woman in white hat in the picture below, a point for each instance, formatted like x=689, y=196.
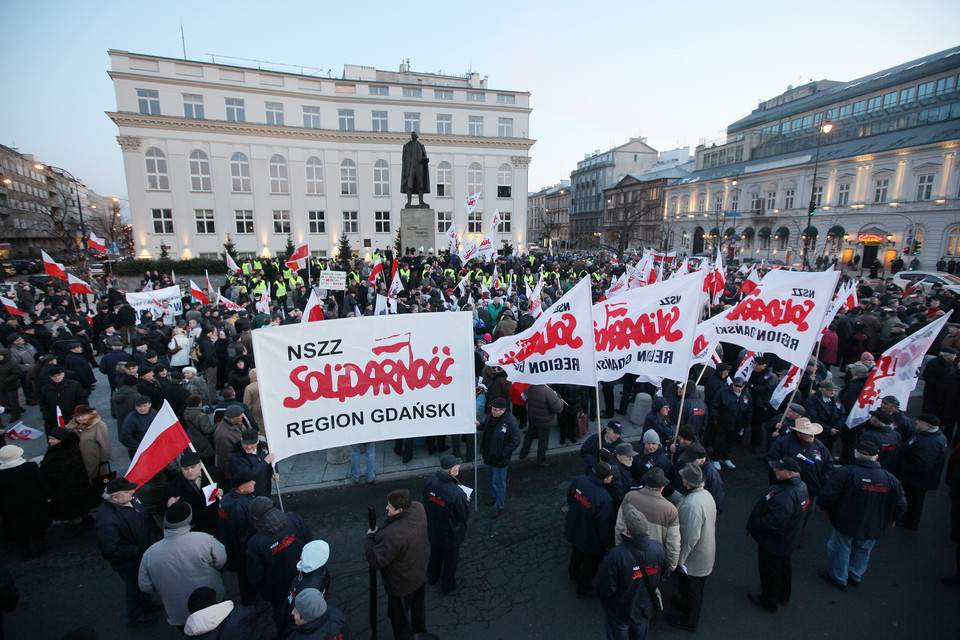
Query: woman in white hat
x=23, y=502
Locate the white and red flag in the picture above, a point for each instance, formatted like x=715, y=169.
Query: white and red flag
x=746, y=365
x=313, y=312
x=11, y=306
x=719, y=280
x=197, y=294
x=495, y=220
x=97, y=243
x=471, y=202
x=263, y=305
x=77, y=285
x=682, y=270
x=619, y=285
x=705, y=344
x=52, y=267
x=750, y=284
x=60, y=421
x=230, y=263
x=163, y=441
x=396, y=286
x=375, y=271
x=486, y=250
x=21, y=431
x=228, y=303
x=469, y=251
x=848, y=296
x=896, y=372
x=790, y=382
x=536, y=299
x=452, y=238
x=298, y=259
x=209, y=287
x=464, y=284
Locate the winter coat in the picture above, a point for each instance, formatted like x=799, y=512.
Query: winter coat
x=197, y=385
x=10, y=371
x=274, y=551
x=591, y=452
x=176, y=395
x=152, y=391
x=590, y=516
x=501, y=437
x=180, y=358
x=80, y=368
x=661, y=515
x=183, y=561
x=239, y=378
x=124, y=401
x=251, y=398
x=620, y=585
x=133, y=429
x=124, y=532
x=543, y=404
x=24, y=492
x=887, y=441
x=922, y=459
x=712, y=482
x=829, y=414
x=200, y=429
x=222, y=621
x=399, y=549
x=225, y=436
x=497, y=384
x=66, y=395
x=253, y=463
x=66, y=474
x=205, y=517
x=730, y=412
x=777, y=517
x=863, y=500
x=235, y=527
x=816, y=463
x=95, y=446
x=447, y=510
x=332, y=625
x=698, y=532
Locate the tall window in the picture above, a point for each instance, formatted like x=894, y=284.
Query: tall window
x=444, y=218
x=475, y=126
x=908, y=95
x=380, y=121
x=771, y=200
x=351, y=223
x=381, y=221
x=205, y=222
x=925, y=187
x=348, y=178
x=199, y=171
x=953, y=242
x=411, y=122
x=475, y=222
x=444, y=124
x=504, y=226
x=504, y=181
x=244, y=220
x=788, y=198
x=474, y=178
x=157, y=179
x=235, y=110
x=718, y=202
x=279, y=182
x=505, y=127
x=317, y=221
x=162, y=221
x=756, y=202
x=193, y=106
x=735, y=201
x=311, y=117
x=444, y=180
x=346, y=119
x=925, y=90
x=946, y=85
x=281, y=222
x=275, y=113
x=818, y=195
x=843, y=194
x=149, y=102
x=240, y=173
x=701, y=203
x=381, y=178
x=880, y=189
x=314, y=176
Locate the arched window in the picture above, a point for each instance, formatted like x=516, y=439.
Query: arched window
x=504, y=181
x=278, y=175
x=199, y=171
x=314, y=176
x=381, y=178
x=953, y=242
x=445, y=180
x=157, y=179
x=240, y=173
x=474, y=178
x=348, y=178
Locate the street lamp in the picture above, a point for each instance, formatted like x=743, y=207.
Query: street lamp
x=76, y=190
x=824, y=128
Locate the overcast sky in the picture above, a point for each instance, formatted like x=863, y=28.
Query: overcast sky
x=598, y=73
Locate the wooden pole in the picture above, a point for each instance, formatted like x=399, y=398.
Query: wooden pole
x=680, y=413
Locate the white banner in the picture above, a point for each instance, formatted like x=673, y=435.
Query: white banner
x=648, y=331
x=341, y=382
x=330, y=279
x=151, y=299
x=705, y=344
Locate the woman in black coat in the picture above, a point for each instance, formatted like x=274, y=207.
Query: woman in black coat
x=572, y=396
x=239, y=376
x=23, y=502
x=64, y=471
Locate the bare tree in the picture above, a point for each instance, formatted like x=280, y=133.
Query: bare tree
x=625, y=229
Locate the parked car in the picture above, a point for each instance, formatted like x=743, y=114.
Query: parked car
x=906, y=279
x=22, y=266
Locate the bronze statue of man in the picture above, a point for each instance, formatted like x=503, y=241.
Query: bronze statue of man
x=414, y=175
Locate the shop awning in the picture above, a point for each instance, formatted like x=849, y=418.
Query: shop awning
x=749, y=232
x=764, y=232
x=729, y=233
x=836, y=231
x=714, y=232
x=811, y=231
x=783, y=232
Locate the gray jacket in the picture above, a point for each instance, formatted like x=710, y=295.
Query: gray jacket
x=698, y=532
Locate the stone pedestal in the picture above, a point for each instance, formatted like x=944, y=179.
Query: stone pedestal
x=338, y=455
x=640, y=408
x=418, y=228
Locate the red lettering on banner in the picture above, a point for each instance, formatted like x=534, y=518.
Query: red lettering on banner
x=556, y=333
x=699, y=345
x=886, y=367
x=621, y=332
x=774, y=312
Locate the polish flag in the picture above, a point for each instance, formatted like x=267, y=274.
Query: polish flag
x=790, y=382
x=163, y=441
x=750, y=284
x=536, y=302
x=746, y=367
x=207, y=274
x=396, y=286
x=495, y=220
x=21, y=431
x=682, y=270
x=374, y=272
x=77, y=285
x=393, y=271
x=851, y=301
x=452, y=237
x=230, y=263
x=298, y=259
x=719, y=282
x=60, y=421
x=471, y=202
x=197, y=294
x=52, y=267
x=313, y=312
x=97, y=243
x=11, y=306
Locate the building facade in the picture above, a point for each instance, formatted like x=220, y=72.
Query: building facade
x=212, y=150
x=874, y=159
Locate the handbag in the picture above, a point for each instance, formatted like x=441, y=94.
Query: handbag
x=655, y=596
x=583, y=424
x=101, y=481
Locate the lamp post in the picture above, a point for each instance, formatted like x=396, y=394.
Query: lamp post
x=824, y=128
x=76, y=191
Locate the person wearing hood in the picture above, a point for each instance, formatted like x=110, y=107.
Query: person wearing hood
x=448, y=510
x=657, y=419
x=211, y=619
x=63, y=468
x=24, y=492
x=179, y=563
x=314, y=619
x=95, y=446
x=879, y=430
x=251, y=455
x=273, y=553
x=311, y=574
x=239, y=375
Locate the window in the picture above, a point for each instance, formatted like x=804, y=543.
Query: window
x=444, y=220
x=735, y=201
x=348, y=178
x=314, y=176
x=381, y=178
x=504, y=181
x=412, y=93
x=199, y=171
x=925, y=90
x=756, y=202
x=701, y=203
x=240, y=173
x=380, y=121
x=859, y=107
x=351, y=223
x=162, y=221
x=873, y=104
x=807, y=122
x=504, y=226
x=845, y=111
x=381, y=221
x=442, y=94
x=244, y=219
x=157, y=179
x=890, y=100
x=411, y=122
x=505, y=98
x=346, y=119
x=771, y=200
x=795, y=125
x=311, y=117
x=474, y=178
x=946, y=85
x=193, y=106
x=235, y=110
x=718, y=202
x=953, y=242
x=476, y=126
x=279, y=182
x=444, y=124
x=281, y=222
x=505, y=127
x=275, y=113
x=444, y=180
x=843, y=194
x=908, y=95
x=379, y=91
x=205, y=222
x=345, y=88
x=317, y=222
x=473, y=96
x=474, y=222
x=818, y=195
x=880, y=191
x=149, y=102
x=925, y=187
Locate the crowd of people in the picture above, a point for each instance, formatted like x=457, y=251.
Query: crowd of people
x=640, y=512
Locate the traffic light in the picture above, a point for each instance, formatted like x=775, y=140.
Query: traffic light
x=812, y=209
x=917, y=246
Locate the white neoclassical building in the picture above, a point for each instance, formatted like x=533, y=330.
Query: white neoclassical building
x=214, y=149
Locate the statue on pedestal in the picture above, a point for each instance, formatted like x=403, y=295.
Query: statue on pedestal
x=414, y=175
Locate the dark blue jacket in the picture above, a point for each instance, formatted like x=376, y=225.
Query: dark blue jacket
x=332, y=625
x=829, y=414
x=591, y=516
x=777, y=517
x=729, y=412
x=447, y=510
x=863, y=500
x=620, y=584
x=239, y=624
x=813, y=475
x=133, y=429
x=235, y=528
x=648, y=461
x=694, y=414
x=922, y=460
x=501, y=437
x=591, y=453
x=272, y=557
x=240, y=461
x=888, y=441
x=124, y=533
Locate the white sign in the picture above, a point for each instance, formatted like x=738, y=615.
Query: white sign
x=330, y=279
x=153, y=300
x=342, y=382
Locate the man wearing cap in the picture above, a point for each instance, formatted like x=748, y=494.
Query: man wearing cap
x=698, y=536
x=622, y=464
x=661, y=514
x=851, y=391
x=589, y=524
x=824, y=408
x=775, y=524
x=311, y=574
x=730, y=413
x=235, y=528
x=695, y=454
x=448, y=510
x=782, y=424
x=229, y=433
x=921, y=465
x=76, y=363
x=114, y=356
x=862, y=500
x=657, y=419
x=901, y=423
x=627, y=577
x=652, y=455
x=62, y=392
x=147, y=385
x=314, y=619
x=879, y=430
x=188, y=487
x=251, y=455
x=176, y=394
x=125, y=530
x=592, y=451
x=813, y=456
x=716, y=382
x=136, y=423
x=934, y=373
x=501, y=437
x=181, y=562
x=761, y=385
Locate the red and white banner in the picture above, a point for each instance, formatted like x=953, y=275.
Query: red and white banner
x=452, y=238
x=648, y=332
x=52, y=267
x=263, y=304
x=494, y=220
x=197, y=294
x=376, y=270
x=231, y=265
x=151, y=300
x=206, y=274
x=229, y=304
x=163, y=441
x=298, y=259
x=96, y=243
x=558, y=348
x=750, y=284
x=536, y=299
x=896, y=372
x=11, y=306
x=848, y=295
x=745, y=368
x=77, y=286
x=469, y=251
x=705, y=344
x=60, y=421
x=313, y=312
x=486, y=250
x=21, y=431
x=334, y=384
x=790, y=382
x=471, y=202
x=784, y=316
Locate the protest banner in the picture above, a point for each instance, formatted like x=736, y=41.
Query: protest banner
x=152, y=299
x=336, y=383
x=330, y=279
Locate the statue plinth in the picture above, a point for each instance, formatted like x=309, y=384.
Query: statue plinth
x=417, y=228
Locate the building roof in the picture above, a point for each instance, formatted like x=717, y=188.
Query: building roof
x=669, y=173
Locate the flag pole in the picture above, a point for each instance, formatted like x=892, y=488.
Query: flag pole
x=202, y=466
x=276, y=470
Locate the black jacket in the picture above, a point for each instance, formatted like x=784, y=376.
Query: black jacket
x=888, y=441
x=829, y=414
x=501, y=437
x=272, y=557
x=205, y=518
x=620, y=582
x=66, y=395
x=777, y=517
x=922, y=459
x=235, y=527
x=591, y=452
x=712, y=481
x=729, y=412
x=447, y=510
x=332, y=625
x=124, y=533
x=863, y=500
x=254, y=463
x=591, y=516
x=815, y=465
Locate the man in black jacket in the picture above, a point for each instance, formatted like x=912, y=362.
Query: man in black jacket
x=448, y=510
x=590, y=520
x=812, y=455
x=921, y=465
x=934, y=373
x=501, y=437
x=775, y=524
x=825, y=409
x=730, y=413
x=60, y=392
x=762, y=384
x=188, y=487
x=591, y=451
